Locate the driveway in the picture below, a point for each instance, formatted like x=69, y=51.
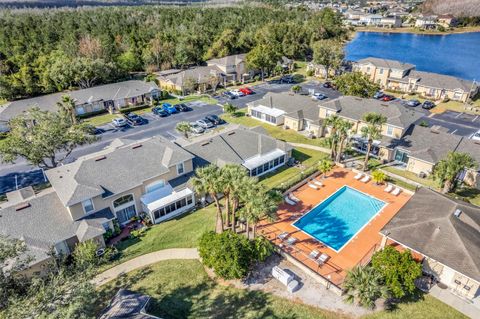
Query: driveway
x=454, y=122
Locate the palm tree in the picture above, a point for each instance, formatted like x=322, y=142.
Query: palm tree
x=233, y=177
x=324, y=166
x=259, y=204
x=183, y=127
x=343, y=130
x=372, y=131
x=363, y=286
x=334, y=121
x=230, y=109
x=379, y=177
x=447, y=170
x=208, y=181
x=67, y=108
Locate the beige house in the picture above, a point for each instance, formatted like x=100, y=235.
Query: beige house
x=446, y=233
x=403, y=77
x=110, y=97
x=234, y=67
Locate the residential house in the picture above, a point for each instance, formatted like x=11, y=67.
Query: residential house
x=199, y=78
x=319, y=70
x=370, y=20
x=352, y=109
x=110, y=97
x=392, y=21
x=420, y=148
x=286, y=63
x=447, y=20
x=446, y=234
x=426, y=22
x=234, y=67
x=127, y=304
x=252, y=148
x=292, y=111
x=402, y=77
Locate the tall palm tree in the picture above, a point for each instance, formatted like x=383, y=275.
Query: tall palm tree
x=343, y=130
x=363, y=286
x=333, y=121
x=371, y=131
x=208, y=180
x=233, y=178
x=67, y=107
x=259, y=204
x=447, y=169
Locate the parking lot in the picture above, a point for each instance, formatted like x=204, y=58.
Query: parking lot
x=262, y=89
x=454, y=122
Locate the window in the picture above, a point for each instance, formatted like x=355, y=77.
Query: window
x=180, y=169
x=88, y=206
x=122, y=200
x=80, y=110
x=154, y=186
x=389, y=130
x=381, y=71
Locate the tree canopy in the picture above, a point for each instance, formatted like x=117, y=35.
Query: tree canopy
x=448, y=168
x=356, y=84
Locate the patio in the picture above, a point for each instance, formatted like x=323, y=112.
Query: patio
x=357, y=251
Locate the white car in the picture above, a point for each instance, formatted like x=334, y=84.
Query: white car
x=476, y=136
x=319, y=96
x=237, y=93
x=119, y=122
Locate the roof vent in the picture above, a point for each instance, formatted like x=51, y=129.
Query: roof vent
x=205, y=144
x=22, y=206
x=101, y=158
x=136, y=146
x=231, y=133
x=457, y=213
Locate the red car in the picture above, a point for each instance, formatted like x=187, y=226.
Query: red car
x=246, y=91
x=388, y=98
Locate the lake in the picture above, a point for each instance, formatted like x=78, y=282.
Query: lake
x=452, y=54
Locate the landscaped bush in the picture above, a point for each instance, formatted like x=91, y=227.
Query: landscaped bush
x=310, y=72
x=92, y=114
x=133, y=108
x=232, y=255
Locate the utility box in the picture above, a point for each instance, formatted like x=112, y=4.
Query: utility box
x=282, y=276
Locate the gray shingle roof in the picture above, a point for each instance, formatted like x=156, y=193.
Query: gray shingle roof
x=471, y=147
x=288, y=102
x=201, y=74
x=427, y=224
x=234, y=145
x=114, y=91
x=127, y=304
x=355, y=107
x=385, y=63
x=228, y=60
x=441, y=81
x=120, y=168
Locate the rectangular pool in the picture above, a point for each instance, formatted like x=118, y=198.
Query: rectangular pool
x=340, y=217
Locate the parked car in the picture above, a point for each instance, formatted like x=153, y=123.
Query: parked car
x=388, y=98
x=119, y=122
x=246, y=91
x=287, y=79
x=319, y=96
x=157, y=110
x=413, y=103
x=378, y=95
x=237, y=93
x=204, y=123
x=182, y=107
x=196, y=129
x=476, y=136
x=214, y=119
x=169, y=108
x=133, y=119
x=229, y=95
x=428, y=105
x=327, y=85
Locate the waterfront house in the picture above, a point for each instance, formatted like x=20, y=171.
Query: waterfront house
x=380, y=70
x=446, y=234
x=426, y=22
x=370, y=20
x=391, y=21
x=447, y=20
x=110, y=97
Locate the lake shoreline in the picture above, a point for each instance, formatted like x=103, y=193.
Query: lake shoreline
x=416, y=31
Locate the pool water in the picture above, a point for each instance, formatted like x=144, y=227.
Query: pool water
x=338, y=218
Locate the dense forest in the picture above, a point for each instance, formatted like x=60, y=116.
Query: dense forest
x=44, y=51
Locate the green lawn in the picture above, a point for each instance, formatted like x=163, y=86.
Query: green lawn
x=275, y=131
x=429, y=182
x=182, y=289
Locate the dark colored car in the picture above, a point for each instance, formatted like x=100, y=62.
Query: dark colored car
x=229, y=95
x=428, y=105
x=133, y=119
x=182, y=107
x=388, y=98
x=287, y=79
x=327, y=85
x=413, y=103
x=157, y=110
x=214, y=119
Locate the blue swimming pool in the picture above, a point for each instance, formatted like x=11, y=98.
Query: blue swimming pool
x=338, y=218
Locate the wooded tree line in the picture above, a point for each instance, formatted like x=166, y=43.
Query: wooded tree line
x=47, y=51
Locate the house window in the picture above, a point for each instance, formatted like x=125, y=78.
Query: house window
x=122, y=200
x=80, y=110
x=389, y=130
x=381, y=71
x=154, y=186
x=368, y=69
x=88, y=206
x=180, y=169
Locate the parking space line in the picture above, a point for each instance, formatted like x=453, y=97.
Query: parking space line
x=458, y=115
x=454, y=131
x=475, y=118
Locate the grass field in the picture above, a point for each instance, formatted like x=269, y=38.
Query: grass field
x=182, y=289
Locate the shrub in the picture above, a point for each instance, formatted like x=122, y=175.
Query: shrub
x=231, y=255
x=85, y=254
x=379, y=177
x=310, y=72
x=363, y=286
x=133, y=108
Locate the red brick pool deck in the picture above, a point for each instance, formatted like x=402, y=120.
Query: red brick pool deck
x=358, y=250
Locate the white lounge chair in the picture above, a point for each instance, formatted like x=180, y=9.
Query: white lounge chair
x=389, y=188
x=323, y=259
x=293, y=197
x=358, y=176
x=396, y=191
x=312, y=186
x=291, y=240
x=365, y=179
x=283, y=235
x=314, y=254
x=289, y=201
x=317, y=182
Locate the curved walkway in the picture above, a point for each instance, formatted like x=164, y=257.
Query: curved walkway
x=144, y=260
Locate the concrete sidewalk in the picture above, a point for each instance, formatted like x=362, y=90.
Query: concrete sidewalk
x=311, y=147
x=467, y=308
x=144, y=260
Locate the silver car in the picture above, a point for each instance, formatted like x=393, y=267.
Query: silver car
x=204, y=123
x=119, y=122
x=196, y=129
